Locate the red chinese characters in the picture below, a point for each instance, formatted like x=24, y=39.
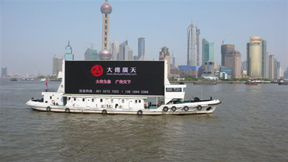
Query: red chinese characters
x=103, y=81
x=122, y=81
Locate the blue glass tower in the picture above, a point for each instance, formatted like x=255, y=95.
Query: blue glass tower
x=68, y=52
x=207, y=51
x=141, y=47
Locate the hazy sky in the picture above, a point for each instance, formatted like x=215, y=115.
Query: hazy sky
x=33, y=31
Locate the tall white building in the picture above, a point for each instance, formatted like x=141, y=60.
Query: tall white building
x=114, y=49
x=254, y=57
x=125, y=53
x=193, y=35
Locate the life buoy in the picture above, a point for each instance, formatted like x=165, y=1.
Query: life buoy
x=173, y=108
x=165, y=109
x=186, y=108
x=67, y=110
x=199, y=107
x=139, y=112
x=104, y=111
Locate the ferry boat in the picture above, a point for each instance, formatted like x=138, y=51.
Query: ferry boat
x=162, y=99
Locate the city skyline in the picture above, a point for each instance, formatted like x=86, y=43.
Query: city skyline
x=39, y=34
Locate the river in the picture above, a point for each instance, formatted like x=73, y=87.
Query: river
x=251, y=124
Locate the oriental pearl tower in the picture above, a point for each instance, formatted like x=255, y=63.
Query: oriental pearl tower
x=106, y=10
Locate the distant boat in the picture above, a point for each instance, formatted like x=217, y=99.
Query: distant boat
x=13, y=79
x=283, y=82
x=251, y=83
x=205, y=83
x=43, y=79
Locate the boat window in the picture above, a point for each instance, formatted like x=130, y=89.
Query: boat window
x=139, y=101
x=173, y=90
x=83, y=99
x=50, y=97
x=92, y=100
x=135, y=101
x=184, y=89
x=101, y=100
x=74, y=99
x=122, y=100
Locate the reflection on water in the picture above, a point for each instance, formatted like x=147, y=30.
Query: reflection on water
x=249, y=125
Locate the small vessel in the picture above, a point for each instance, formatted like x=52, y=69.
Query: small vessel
x=205, y=83
x=283, y=82
x=251, y=83
x=13, y=79
x=120, y=91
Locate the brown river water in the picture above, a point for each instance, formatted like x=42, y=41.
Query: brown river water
x=251, y=124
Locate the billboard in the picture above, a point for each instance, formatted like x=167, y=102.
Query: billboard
x=114, y=77
x=255, y=39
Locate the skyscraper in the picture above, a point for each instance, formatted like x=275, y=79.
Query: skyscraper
x=264, y=55
x=271, y=67
x=125, y=53
x=91, y=54
x=165, y=55
x=192, y=47
x=141, y=48
x=225, y=48
x=106, y=10
x=57, y=65
x=207, y=51
x=114, y=49
x=233, y=61
x=3, y=72
x=68, y=52
x=198, y=45
x=254, y=57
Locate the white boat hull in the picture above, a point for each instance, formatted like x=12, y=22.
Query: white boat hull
x=207, y=107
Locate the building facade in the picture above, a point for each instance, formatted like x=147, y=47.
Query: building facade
x=226, y=70
x=3, y=72
x=225, y=48
x=264, y=56
x=68, y=52
x=254, y=57
x=208, y=68
x=207, y=51
x=125, y=53
x=233, y=61
x=271, y=67
x=186, y=70
x=193, y=34
x=114, y=49
x=141, y=48
x=165, y=55
x=91, y=54
x=57, y=65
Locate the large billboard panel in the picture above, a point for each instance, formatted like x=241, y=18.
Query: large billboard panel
x=114, y=77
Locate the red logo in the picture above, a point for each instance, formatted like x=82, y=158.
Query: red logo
x=97, y=70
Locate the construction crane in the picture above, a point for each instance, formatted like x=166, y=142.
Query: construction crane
x=92, y=45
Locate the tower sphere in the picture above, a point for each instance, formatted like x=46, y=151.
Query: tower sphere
x=106, y=8
x=105, y=55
